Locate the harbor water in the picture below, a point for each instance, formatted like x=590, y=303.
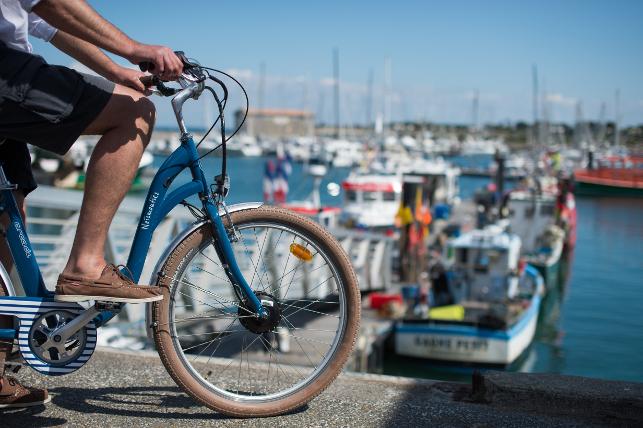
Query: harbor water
x=591, y=327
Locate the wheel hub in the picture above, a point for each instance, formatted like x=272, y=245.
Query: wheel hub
x=263, y=324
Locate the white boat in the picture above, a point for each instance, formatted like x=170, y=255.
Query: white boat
x=492, y=305
x=532, y=216
x=371, y=200
x=345, y=153
x=372, y=197
x=244, y=145
x=480, y=146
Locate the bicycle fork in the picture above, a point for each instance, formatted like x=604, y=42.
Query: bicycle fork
x=224, y=250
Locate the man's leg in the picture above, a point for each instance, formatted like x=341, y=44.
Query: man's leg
x=125, y=124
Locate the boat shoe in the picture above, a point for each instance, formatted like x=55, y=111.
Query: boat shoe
x=111, y=286
x=13, y=394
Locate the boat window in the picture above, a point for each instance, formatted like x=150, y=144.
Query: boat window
x=369, y=196
x=530, y=211
x=351, y=195
x=547, y=210
x=463, y=256
x=482, y=262
x=388, y=196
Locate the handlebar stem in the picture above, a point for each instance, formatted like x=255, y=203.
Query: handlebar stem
x=193, y=90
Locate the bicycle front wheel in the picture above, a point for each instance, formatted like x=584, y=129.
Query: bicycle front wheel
x=220, y=353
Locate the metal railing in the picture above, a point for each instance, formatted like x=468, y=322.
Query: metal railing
x=52, y=218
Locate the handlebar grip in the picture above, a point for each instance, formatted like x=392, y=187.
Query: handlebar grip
x=148, y=81
x=146, y=66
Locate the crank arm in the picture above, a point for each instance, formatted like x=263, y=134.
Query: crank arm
x=71, y=328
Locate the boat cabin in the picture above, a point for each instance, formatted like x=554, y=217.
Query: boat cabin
x=372, y=198
x=483, y=265
x=529, y=215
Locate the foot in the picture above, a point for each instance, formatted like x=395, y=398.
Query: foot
x=111, y=286
x=13, y=394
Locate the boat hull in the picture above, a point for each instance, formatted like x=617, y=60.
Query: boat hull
x=550, y=273
x=583, y=188
x=467, y=344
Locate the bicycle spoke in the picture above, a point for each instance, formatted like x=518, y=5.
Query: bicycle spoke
x=254, y=365
x=265, y=236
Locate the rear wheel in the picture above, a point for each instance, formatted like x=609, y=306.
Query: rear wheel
x=220, y=353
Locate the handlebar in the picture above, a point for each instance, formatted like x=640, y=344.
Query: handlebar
x=151, y=80
x=192, y=73
x=187, y=64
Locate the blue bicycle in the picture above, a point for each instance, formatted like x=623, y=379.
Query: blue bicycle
x=261, y=306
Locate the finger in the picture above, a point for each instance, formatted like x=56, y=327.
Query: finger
x=178, y=63
x=160, y=63
x=176, y=71
x=138, y=85
x=134, y=84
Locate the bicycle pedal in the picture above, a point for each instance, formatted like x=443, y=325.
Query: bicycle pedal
x=109, y=306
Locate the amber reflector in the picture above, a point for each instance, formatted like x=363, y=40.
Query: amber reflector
x=301, y=252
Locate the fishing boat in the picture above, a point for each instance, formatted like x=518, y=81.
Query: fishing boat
x=533, y=217
x=373, y=196
x=612, y=176
x=488, y=311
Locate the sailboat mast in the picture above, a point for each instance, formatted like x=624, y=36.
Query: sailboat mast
x=369, y=100
x=617, y=114
x=535, y=128
x=474, y=112
x=336, y=78
x=262, y=85
x=387, y=92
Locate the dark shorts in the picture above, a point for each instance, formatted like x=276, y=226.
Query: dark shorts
x=58, y=106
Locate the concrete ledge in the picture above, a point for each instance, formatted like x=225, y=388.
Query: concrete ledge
x=562, y=395
x=119, y=388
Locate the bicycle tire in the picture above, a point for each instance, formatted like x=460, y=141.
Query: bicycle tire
x=192, y=382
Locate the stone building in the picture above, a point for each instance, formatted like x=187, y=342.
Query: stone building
x=277, y=123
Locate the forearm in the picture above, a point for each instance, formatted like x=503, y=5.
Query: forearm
x=85, y=53
x=79, y=19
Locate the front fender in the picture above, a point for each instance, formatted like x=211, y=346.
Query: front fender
x=175, y=242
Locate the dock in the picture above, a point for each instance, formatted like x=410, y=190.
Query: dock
x=119, y=388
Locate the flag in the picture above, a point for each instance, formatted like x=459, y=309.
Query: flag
x=280, y=185
x=268, y=181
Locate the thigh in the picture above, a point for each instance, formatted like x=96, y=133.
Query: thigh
x=122, y=109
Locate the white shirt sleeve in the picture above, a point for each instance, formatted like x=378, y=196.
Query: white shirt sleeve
x=40, y=28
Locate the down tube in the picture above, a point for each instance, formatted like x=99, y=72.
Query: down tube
x=158, y=204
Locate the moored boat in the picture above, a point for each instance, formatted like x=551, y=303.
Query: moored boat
x=533, y=217
x=613, y=176
x=490, y=311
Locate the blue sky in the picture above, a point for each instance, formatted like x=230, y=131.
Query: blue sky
x=440, y=52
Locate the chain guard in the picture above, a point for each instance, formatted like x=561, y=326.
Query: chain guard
x=28, y=310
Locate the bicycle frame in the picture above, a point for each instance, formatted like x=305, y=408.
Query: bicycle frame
x=158, y=204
